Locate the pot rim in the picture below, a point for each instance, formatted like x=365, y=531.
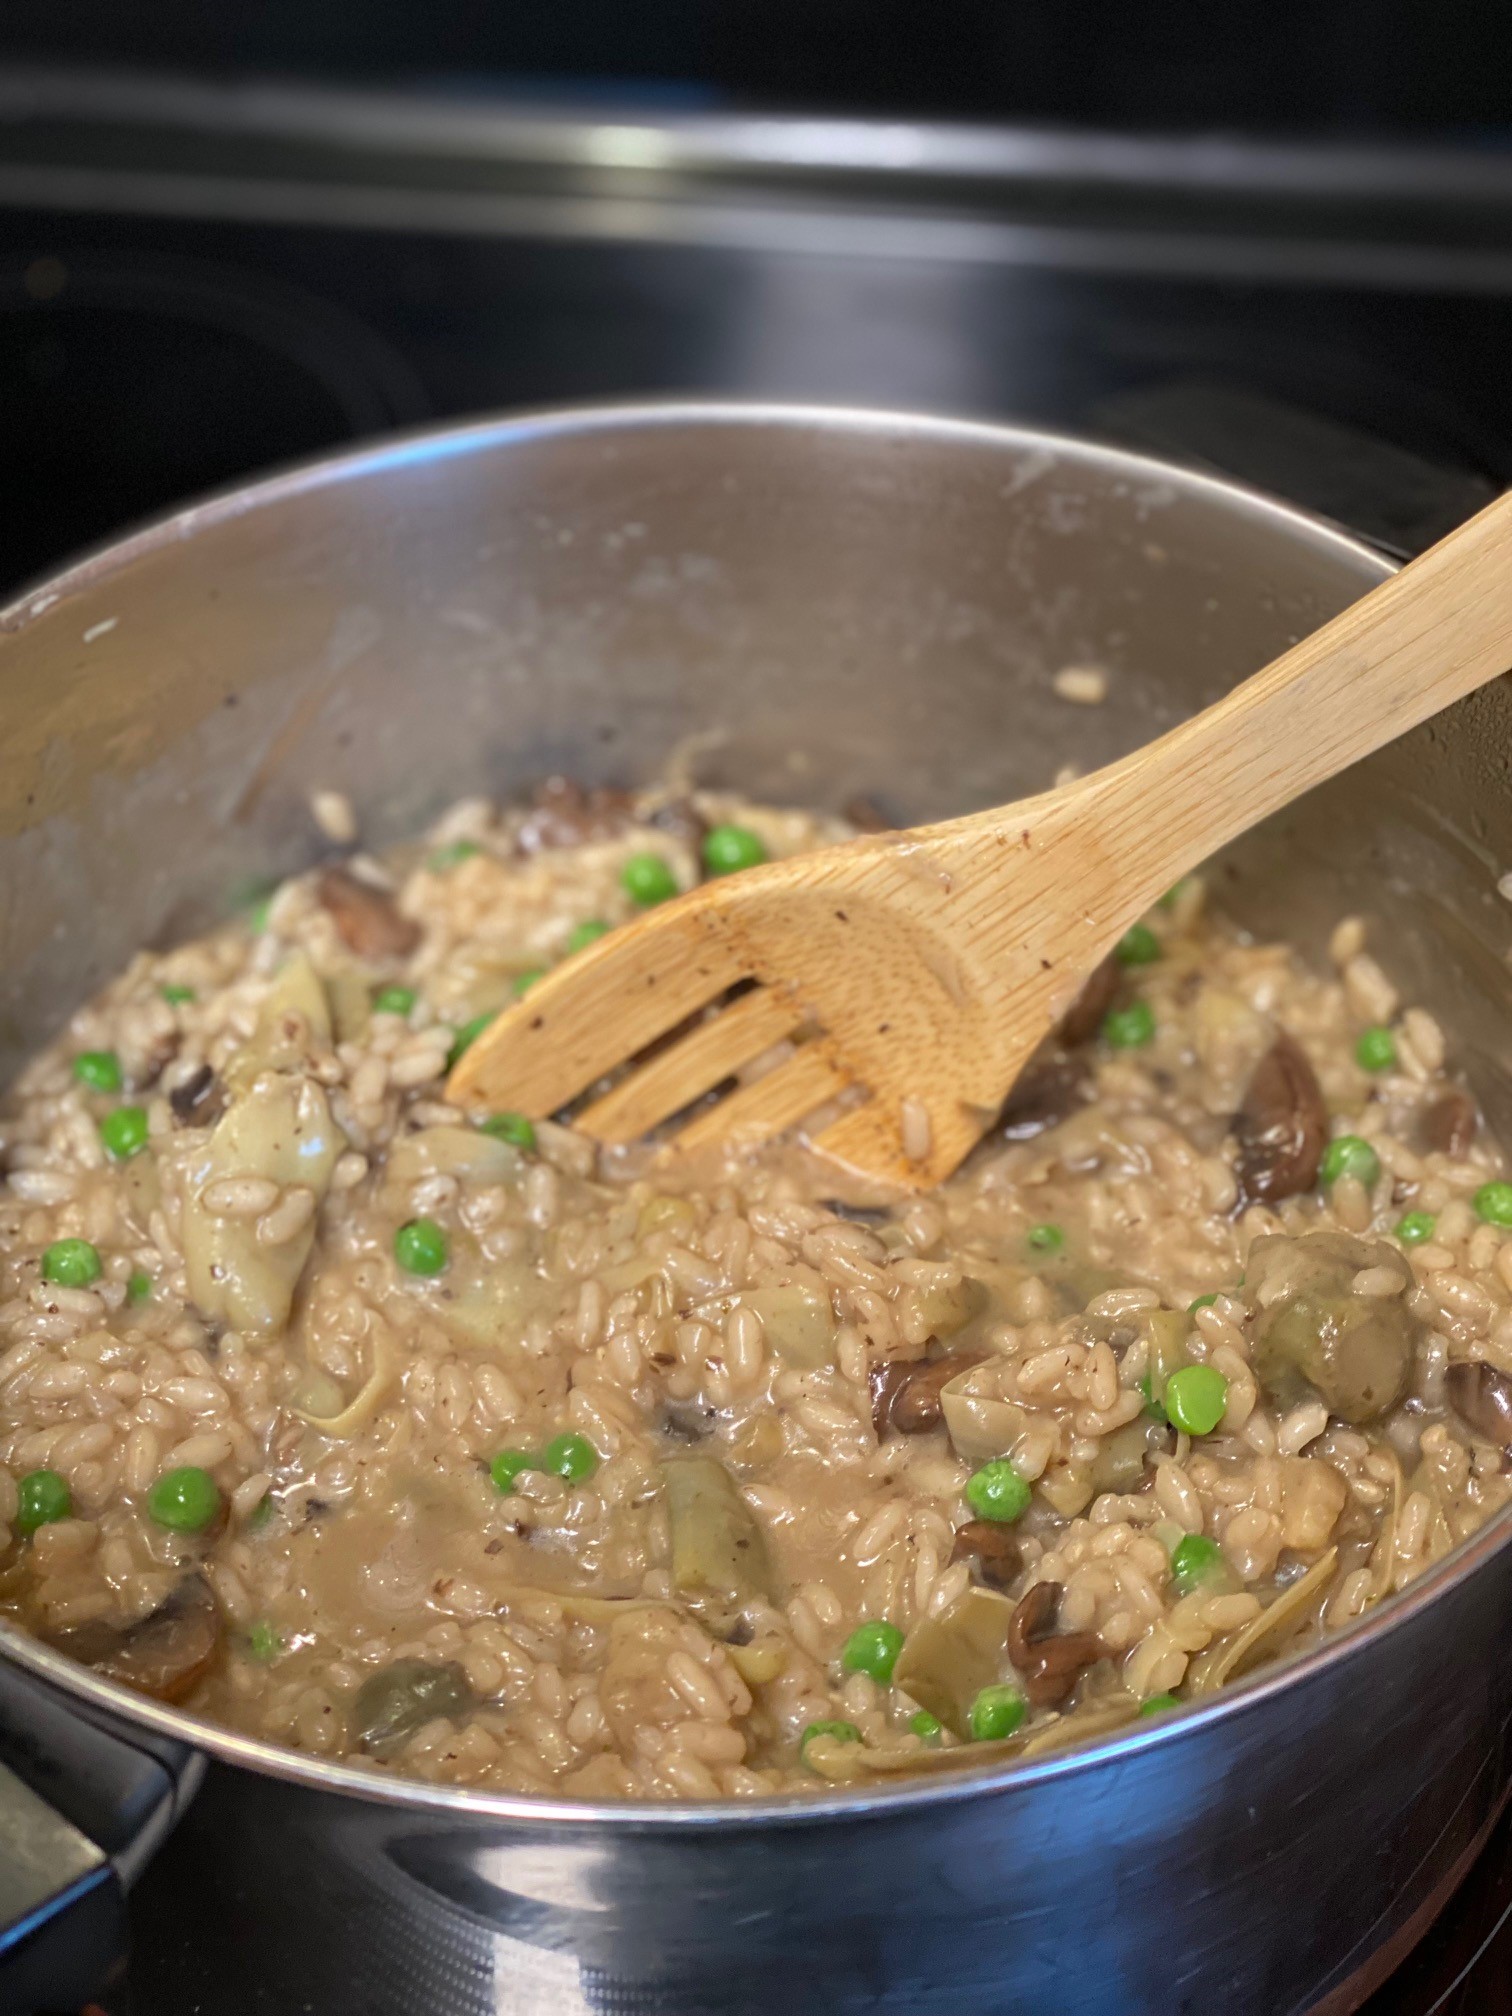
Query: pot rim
x=119, y=1703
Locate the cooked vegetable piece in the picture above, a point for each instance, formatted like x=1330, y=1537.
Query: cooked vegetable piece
x=393, y=1000
x=1124, y=1457
x=71, y=1263
x=728, y=849
x=1349, y=1155
x=1049, y=1662
x=366, y=918
x=1138, y=946
x=42, y=1497
x=164, y=1655
x=293, y=1021
x=124, y=1132
x=1317, y=1336
x=873, y=1648
x=508, y=1465
x=400, y=1698
x=1197, y=1561
x=570, y=1457
x=992, y=1547
x=979, y=1425
x=719, y=1553
x=997, y=1491
x=514, y=1128
x=1129, y=1028
x=421, y=1247
x=1415, y=1228
x=906, y=1395
x=1195, y=1397
x=947, y=1660
x=1266, y=1634
x=1281, y=1126
x=100, y=1070
x=186, y=1500
x=281, y=1128
x=1482, y=1397
x=647, y=880
x=1493, y=1203
x=796, y=1317
x=1449, y=1125
x=995, y=1713
x=1376, y=1050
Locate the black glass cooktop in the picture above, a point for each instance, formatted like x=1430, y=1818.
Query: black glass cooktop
x=195, y=285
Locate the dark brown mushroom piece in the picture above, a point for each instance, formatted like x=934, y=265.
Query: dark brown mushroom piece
x=164, y=1656
x=200, y=1100
x=1482, y=1398
x=994, y=1554
x=402, y=1697
x=367, y=919
x=1084, y=1017
x=1049, y=1662
x=906, y=1392
x=1282, y=1126
x=1049, y=1089
x=687, y=1420
x=1314, y=1336
x=866, y=815
x=1449, y=1126
x=563, y=814
x=682, y=819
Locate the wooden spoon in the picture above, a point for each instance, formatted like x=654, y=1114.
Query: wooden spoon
x=919, y=970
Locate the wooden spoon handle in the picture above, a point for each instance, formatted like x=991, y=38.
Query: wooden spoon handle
x=1428, y=636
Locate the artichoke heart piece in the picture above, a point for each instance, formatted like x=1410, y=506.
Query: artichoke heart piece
x=280, y=1128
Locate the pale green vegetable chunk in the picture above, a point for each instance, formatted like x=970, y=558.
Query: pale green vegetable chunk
x=281, y=1128
x=947, y=1660
x=719, y=1553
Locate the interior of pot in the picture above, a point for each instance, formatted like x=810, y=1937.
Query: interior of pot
x=824, y=603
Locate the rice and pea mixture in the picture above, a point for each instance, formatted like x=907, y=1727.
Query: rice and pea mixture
x=449, y=1443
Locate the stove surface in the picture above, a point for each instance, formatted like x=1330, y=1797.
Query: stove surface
x=186, y=297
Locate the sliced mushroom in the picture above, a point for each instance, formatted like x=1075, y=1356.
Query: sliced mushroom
x=1049, y=1662
x=1282, y=1126
x=563, y=814
x=1084, y=1017
x=402, y=1697
x=866, y=815
x=682, y=819
x=367, y=919
x=165, y=1655
x=992, y=1550
x=1482, y=1397
x=906, y=1393
x=1313, y=1334
x=1449, y=1125
x=1049, y=1090
x=719, y=1554
x=200, y=1100
x=688, y=1420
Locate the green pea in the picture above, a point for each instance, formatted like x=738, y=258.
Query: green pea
x=263, y=1642
x=842, y=1732
x=42, y=1497
x=71, y=1263
x=1376, y=1050
x=451, y=855
x=1348, y=1155
x=466, y=1036
x=138, y=1287
x=1152, y=1406
x=393, y=1000
x=997, y=1491
x=1159, y=1704
x=1174, y=894
x=100, y=1070
x=873, y=1648
x=262, y=1513
x=571, y=1456
x=511, y=1127
x=258, y=915
x=184, y=1500
x=175, y=995
x=1127, y=1028
x=727, y=849
x=421, y=1247
x=1195, y=1560
x=508, y=1464
x=1046, y=1238
x=1202, y=1302
x=1138, y=946
x=124, y=1132
x=996, y=1712
x=522, y=983
x=922, y=1723
x=1493, y=1203
x=1415, y=1227
x=587, y=933
x=646, y=879
x=1195, y=1398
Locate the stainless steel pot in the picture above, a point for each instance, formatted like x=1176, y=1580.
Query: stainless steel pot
x=845, y=602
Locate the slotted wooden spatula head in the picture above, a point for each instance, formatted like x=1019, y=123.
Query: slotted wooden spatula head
x=914, y=973
x=865, y=964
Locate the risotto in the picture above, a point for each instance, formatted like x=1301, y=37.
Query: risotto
x=454, y=1445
